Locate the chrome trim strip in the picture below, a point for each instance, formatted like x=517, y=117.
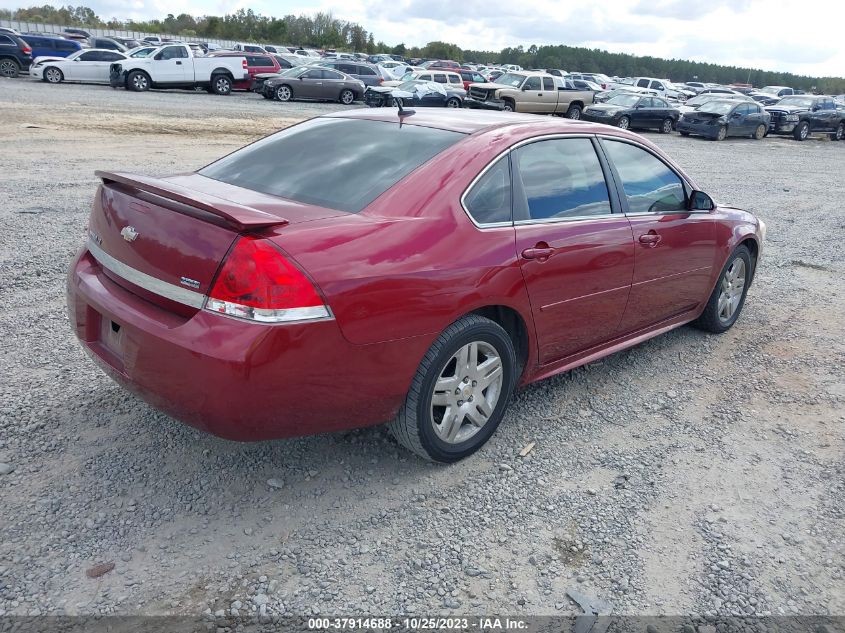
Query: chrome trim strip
x=574, y=218
x=145, y=281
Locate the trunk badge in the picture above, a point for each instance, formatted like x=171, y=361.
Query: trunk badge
x=129, y=233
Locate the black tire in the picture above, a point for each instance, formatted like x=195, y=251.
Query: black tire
x=667, y=126
x=138, y=81
x=53, y=75
x=839, y=134
x=454, y=102
x=802, y=131
x=624, y=122
x=266, y=95
x=221, y=84
x=283, y=93
x=710, y=320
x=722, y=134
x=414, y=427
x=574, y=112
x=9, y=68
x=509, y=105
x=760, y=132
x=684, y=133
x=347, y=97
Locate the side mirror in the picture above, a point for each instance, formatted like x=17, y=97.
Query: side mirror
x=700, y=201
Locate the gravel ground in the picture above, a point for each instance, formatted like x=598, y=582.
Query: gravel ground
x=693, y=474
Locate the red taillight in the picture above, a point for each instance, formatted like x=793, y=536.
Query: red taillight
x=259, y=284
x=26, y=49
x=244, y=64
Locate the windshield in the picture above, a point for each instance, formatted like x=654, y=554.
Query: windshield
x=771, y=89
x=800, y=102
x=341, y=164
x=718, y=107
x=511, y=79
x=628, y=101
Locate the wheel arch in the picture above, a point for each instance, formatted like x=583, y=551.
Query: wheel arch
x=222, y=70
x=516, y=327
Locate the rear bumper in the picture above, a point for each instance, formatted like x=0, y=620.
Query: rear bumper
x=235, y=379
x=489, y=104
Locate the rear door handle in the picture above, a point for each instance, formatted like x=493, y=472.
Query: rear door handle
x=178, y=63
x=650, y=239
x=538, y=252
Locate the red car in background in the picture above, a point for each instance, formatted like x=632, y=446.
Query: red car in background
x=443, y=63
x=471, y=77
x=255, y=63
x=449, y=257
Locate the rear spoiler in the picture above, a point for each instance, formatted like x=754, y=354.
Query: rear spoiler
x=238, y=215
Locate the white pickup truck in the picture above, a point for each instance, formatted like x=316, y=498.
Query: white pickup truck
x=175, y=66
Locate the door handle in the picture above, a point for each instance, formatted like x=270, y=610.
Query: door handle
x=650, y=239
x=538, y=252
x=178, y=63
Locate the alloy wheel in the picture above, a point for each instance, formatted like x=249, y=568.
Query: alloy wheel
x=723, y=133
x=53, y=75
x=624, y=123
x=732, y=287
x=8, y=68
x=140, y=81
x=283, y=93
x=804, y=131
x=346, y=97
x=667, y=126
x=222, y=86
x=466, y=392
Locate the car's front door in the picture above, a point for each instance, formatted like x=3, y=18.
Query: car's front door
x=574, y=247
x=547, y=98
x=171, y=65
x=83, y=67
x=310, y=84
x=532, y=91
x=675, y=249
x=738, y=123
x=643, y=113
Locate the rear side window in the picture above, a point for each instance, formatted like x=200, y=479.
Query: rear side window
x=7, y=41
x=560, y=178
x=455, y=79
x=366, y=71
x=490, y=198
x=548, y=83
x=650, y=186
x=441, y=79
x=67, y=46
x=301, y=162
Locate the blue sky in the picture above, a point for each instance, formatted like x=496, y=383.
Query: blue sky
x=757, y=33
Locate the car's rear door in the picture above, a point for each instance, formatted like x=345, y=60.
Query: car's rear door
x=675, y=249
x=574, y=246
x=333, y=84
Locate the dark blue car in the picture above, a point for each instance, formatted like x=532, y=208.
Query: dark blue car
x=43, y=45
x=15, y=55
x=721, y=118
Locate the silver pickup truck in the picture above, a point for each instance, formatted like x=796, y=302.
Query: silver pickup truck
x=536, y=92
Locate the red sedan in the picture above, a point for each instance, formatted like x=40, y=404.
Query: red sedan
x=364, y=267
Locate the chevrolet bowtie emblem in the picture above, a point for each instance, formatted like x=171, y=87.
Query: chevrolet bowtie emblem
x=129, y=233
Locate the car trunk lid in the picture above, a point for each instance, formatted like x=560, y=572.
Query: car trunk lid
x=164, y=239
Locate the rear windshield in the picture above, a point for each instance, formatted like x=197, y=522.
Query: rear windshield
x=341, y=164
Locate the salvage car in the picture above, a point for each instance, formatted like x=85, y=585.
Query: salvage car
x=415, y=93
x=455, y=256
x=634, y=111
x=90, y=65
x=803, y=115
x=539, y=93
x=314, y=82
x=720, y=118
x=256, y=64
x=15, y=55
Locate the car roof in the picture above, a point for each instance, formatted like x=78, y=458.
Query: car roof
x=456, y=120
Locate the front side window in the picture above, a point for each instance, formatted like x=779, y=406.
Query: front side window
x=533, y=83
x=489, y=200
x=173, y=52
x=650, y=186
x=341, y=164
x=441, y=79
x=560, y=178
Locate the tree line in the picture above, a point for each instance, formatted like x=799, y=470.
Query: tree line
x=323, y=30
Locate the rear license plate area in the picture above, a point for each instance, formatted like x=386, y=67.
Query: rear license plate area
x=111, y=336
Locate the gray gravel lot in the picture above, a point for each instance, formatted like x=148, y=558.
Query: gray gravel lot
x=691, y=474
